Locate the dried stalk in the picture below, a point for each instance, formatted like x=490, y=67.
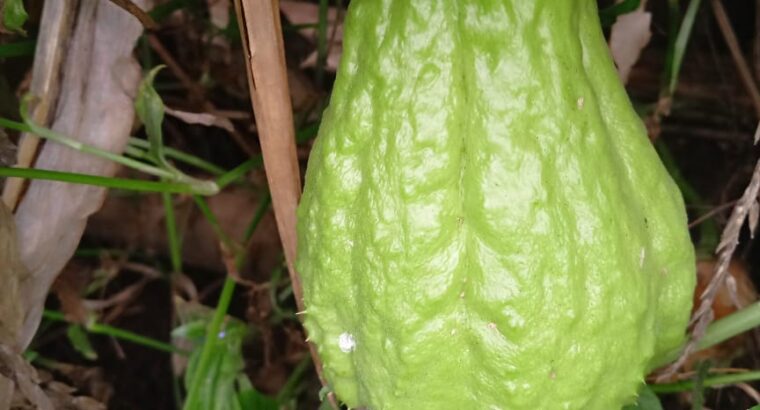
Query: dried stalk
x=268, y=85
x=745, y=73
x=746, y=206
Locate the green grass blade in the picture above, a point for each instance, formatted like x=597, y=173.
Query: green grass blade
x=175, y=241
x=681, y=41
x=107, y=182
x=18, y=49
x=101, y=329
x=205, y=361
x=237, y=172
x=721, y=330
x=181, y=157
x=709, y=381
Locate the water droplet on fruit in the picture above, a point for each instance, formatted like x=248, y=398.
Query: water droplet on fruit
x=346, y=342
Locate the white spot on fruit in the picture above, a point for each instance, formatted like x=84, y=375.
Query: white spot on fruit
x=346, y=342
x=492, y=325
x=642, y=256
x=453, y=332
x=580, y=103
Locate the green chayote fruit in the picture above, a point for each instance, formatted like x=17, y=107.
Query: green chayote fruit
x=485, y=224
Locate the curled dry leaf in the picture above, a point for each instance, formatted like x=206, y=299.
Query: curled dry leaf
x=628, y=36
x=15, y=368
x=202, y=118
x=219, y=12
x=12, y=271
x=52, y=215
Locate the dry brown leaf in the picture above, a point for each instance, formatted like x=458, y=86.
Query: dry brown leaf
x=628, y=36
x=219, y=12
x=15, y=368
x=12, y=271
x=131, y=223
x=202, y=118
x=95, y=108
x=7, y=150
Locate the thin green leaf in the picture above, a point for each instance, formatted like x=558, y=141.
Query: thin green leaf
x=201, y=187
x=711, y=381
x=81, y=343
x=237, y=172
x=698, y=392
x=202, y=379
x=175, y=240
x=306, y=133
x=720, y=330
x=137, y=145
x=97, y=328
x=108, y=182
x=150, y=109
x=18, y=49
x=679, y=46
x=287, y=391
x=14, y=15
x=609, y=15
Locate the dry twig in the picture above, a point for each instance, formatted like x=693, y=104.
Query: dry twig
x=746, y=206
x=736, y=53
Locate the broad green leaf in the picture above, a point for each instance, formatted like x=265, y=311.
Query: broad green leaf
x=250, y=398
x=14, y=15
x=224, y=385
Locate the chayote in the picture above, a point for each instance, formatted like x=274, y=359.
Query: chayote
x=485, y=224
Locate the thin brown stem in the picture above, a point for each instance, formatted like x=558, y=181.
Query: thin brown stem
x=145, y=19
x=745, y=74
x=711, y=213
x=196, y=91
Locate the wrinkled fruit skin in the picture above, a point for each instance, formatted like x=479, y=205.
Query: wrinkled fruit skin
x=485, y=224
